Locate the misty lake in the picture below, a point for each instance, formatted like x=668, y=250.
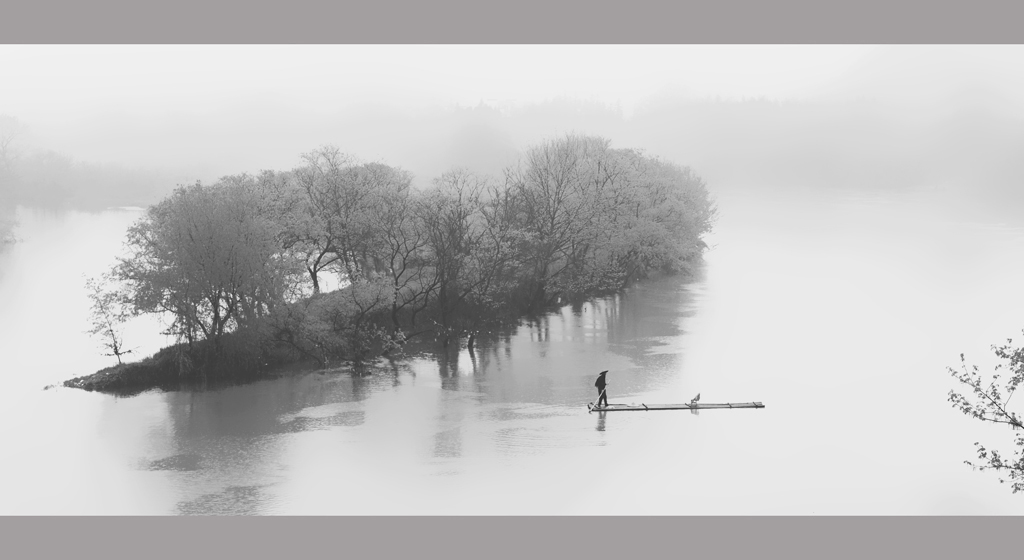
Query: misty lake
x=839, y=312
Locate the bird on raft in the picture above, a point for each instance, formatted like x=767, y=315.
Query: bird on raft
x=695, y=399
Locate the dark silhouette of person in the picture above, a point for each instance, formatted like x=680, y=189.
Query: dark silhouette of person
x=600, y=384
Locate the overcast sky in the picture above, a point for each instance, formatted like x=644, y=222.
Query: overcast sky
x=242, y=108
x=43, y=81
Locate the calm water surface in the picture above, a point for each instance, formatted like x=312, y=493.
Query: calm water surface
x=840, y=313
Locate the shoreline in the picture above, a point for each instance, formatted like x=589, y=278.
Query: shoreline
x=164, y=371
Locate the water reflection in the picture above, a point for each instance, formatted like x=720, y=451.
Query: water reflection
x=233, y=500
x=504, y=429
x=223, y=445
x=448, y=443
x=510, y=396
x=257, y=409
x=552, y=359
x=182, y=462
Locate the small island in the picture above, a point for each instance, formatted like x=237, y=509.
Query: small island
x=341, y=261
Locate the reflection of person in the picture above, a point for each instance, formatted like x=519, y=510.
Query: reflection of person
x=600, y=384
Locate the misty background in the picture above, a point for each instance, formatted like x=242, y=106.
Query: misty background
x=97, y=126
x=869, y=231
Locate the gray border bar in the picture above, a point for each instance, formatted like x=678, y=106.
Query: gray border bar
x=507, y=537
x=523, y=21
x=512, y=21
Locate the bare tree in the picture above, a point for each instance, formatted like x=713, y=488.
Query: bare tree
x=451, y=214
x=207, y=256
x=319, y=221
x=396, y=244
x=7, y=222
x=107, y=315
x=989, y=401
x=11, y=129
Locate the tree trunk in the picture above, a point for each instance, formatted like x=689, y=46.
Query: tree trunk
x=315, y=278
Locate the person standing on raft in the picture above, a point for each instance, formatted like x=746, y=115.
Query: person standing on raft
x=600, y=384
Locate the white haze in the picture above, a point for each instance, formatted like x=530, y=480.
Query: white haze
x=867, y=116
x=839, y=310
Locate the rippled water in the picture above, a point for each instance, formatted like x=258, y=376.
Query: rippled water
x=839, y=313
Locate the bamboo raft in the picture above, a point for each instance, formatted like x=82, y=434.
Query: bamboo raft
x=694, y=406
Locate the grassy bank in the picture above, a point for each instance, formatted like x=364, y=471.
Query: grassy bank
x=178, y=367
x=292, y=343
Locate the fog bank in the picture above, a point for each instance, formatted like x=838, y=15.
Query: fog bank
x=945, y=118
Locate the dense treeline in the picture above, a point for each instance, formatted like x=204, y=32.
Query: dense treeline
x=341, y=260
x=50, y=179
x=6, y=224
